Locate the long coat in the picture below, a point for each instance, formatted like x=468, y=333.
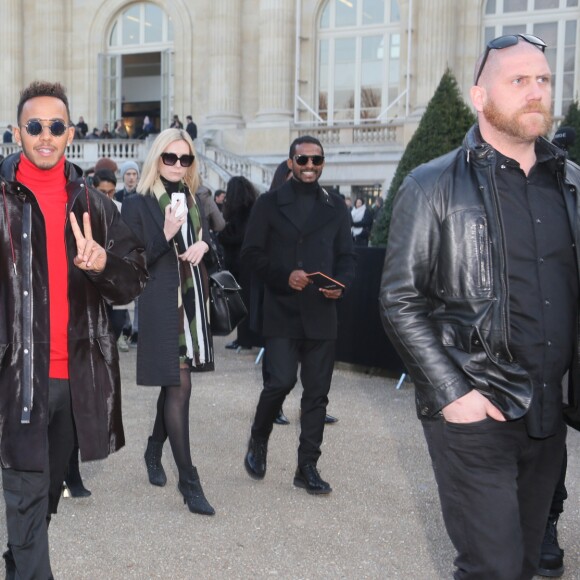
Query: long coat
x=276, y=244
x=158, y=352
x=24, y=321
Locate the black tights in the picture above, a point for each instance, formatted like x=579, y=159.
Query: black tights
x=172, y=421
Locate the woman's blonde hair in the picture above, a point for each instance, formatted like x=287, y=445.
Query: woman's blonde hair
x=150, y=175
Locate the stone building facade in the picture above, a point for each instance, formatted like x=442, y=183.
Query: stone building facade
x=256, y=73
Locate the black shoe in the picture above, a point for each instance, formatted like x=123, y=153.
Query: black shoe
x=73, y=480
x=134, y=340
x=10, y=564
x=551, y=555
x=328, y=419
x=152, y=457
x=281, y=419
x=255, y=461
x=193, y=495
x=234, y=345
x=308, y=478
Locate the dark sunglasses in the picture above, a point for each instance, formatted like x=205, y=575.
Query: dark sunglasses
x=56, y=127
x=504, y=42
x=303, y=159
x=171, y=159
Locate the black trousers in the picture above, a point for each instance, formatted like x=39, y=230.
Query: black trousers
x=280, y=376
x=561, y=493
x=31, y=496
x=495, y=485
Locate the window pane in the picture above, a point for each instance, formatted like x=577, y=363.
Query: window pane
x=569, y=58
x=371, y=76
x=113, y=39
x=490, y=7
x=548, y=32
x=346, y=12
x=515, y=5
x=568, y=86
x=344, y=78
x=325, y=17
x=546, y=4
x=488, y=35
x=131, y=25
x=572, y=3
x=394, y=60
x=395, y=13
x=570, y=38
x=153, y=23
x=169, y=30
x=323, y=79
x=373, y=12
x=516, y=29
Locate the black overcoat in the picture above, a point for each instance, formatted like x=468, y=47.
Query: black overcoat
x=158, y=352
x=275, y=245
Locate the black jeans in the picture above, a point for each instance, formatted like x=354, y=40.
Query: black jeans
x=495, y=485
x=280, y=376
x=561, y=494
x=31, y=496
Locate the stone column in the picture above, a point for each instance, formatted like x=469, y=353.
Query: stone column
x=225, y=63
x=46, y=34
x=276, y=70
x=436, y=39
x=12, y=58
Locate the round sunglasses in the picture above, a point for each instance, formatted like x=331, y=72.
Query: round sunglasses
x=171, y=159
x=57, y=127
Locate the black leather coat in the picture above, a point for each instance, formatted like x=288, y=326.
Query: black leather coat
x=24, y=321
x=444, y=291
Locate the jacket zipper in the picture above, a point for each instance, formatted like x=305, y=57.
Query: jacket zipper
x=502, y=270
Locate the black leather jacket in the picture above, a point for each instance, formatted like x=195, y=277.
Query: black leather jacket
x=24, y=321
x=444, y=290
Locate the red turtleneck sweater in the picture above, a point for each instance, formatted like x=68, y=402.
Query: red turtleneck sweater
x=48, y=186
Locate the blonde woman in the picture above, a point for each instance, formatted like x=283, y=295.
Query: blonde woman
x=174, y=336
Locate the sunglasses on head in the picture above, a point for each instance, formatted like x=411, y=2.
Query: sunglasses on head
x=57, y=127
x=171, y=159
x=505, y=42
x=303, y=159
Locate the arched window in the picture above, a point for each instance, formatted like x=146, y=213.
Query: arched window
x=554, y=21
x=136, y=72
x=359, y=51
x=141, y=24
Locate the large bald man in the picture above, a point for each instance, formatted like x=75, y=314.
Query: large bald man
x=479, y=295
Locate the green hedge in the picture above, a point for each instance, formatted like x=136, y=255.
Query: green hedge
x=441, y=129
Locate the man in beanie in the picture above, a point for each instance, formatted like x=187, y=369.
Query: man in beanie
x=130, y=176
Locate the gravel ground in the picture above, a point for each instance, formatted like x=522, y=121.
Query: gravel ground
x=381, y=521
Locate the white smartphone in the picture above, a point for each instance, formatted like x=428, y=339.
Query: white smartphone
x=179, y=196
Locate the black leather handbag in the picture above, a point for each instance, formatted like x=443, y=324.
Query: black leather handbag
x=226, y=307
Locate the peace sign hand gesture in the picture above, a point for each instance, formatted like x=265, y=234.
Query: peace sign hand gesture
x=90, y=256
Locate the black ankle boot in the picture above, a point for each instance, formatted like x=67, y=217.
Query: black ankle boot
x=152, y=456
x=551, y=555
x=281, y=419
x=193, y=495
x=256, y=458
x=10, y=564
x=73, y=480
